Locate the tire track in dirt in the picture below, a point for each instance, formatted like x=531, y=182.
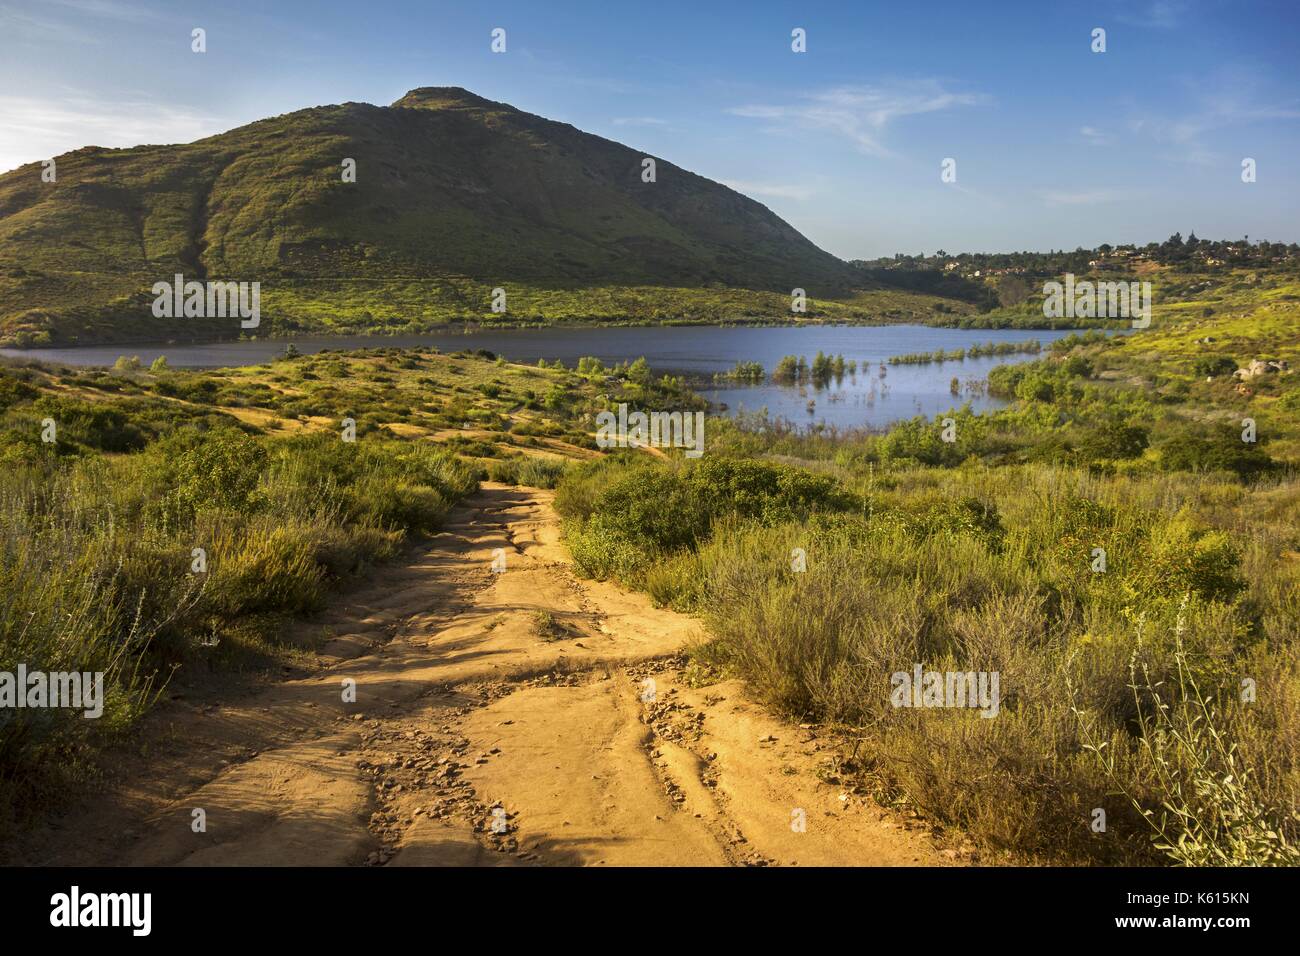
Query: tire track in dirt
x=525, y=717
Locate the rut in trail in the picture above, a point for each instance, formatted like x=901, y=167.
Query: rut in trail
x=484, y=733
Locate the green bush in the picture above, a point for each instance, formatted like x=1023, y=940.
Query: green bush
x=629, y=514
x=1208, y=366
x=198, y=470
x=111, y=539
x=1113, y=439
x=264, y=568
x=1220, y=451
x=13, y=391
x=89, y=426
x=921, y=570
x=530, y=471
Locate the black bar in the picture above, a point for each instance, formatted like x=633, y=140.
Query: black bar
x=382, y=906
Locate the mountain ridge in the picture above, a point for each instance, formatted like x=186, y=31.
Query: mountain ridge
x=449, y=186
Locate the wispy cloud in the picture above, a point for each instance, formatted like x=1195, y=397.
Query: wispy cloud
x=1230, y=99
x=1094, y=136
x=771, y=190
x=1160, y=15
x=111, y=9
x=861, y=114
x=639, y=121
x=34, y=128
x=1093, y=197
x=72, y=20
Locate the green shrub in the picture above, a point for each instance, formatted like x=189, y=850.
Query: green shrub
x=629, y=513
x=530, y=471
x=217, y=469
x=111, y=539
x=88, y=425
x=1221, y=451
x=1113, y=440
x=1208, y=366
x=970, y=570
x=13, y=391
x=264, y=568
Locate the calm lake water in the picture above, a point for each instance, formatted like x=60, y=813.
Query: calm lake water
x=865, y=399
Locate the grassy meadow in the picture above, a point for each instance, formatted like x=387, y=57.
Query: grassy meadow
x=1161, y=686
x=99, y=527
x=1107, y=543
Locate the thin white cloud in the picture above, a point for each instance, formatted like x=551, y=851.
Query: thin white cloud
x=861, y=114
x=72, y=20
x=977, y=194
x=32, y=129
x=639, y=121
x=1160, y=15
x=1094, y=136
x=1093, y=197
x=110, y=9
x=771, y=190
x=1230, y=99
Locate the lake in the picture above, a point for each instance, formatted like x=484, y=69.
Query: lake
x=868, y=398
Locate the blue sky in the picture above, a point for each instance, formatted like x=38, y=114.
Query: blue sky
x=1055, y=146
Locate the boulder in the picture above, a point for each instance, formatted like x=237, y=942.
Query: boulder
x=1258, y=367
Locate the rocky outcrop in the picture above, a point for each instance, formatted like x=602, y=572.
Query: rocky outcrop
x=1261, y=367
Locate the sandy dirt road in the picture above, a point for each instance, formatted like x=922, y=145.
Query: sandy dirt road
x=478, y=738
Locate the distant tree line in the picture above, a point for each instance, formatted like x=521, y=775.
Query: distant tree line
x=1192, y=252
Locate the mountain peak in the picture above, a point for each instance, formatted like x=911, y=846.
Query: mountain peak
x=452, y=187
x=443, y=98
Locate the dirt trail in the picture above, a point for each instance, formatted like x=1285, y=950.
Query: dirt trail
x=478, y=737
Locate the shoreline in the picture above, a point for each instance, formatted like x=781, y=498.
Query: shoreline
x=465, y=328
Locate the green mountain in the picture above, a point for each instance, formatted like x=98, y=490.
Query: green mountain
x=454, y=195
